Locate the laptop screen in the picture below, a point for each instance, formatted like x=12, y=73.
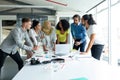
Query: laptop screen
x=62, y=49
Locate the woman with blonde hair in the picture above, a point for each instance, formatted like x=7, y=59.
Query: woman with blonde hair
x=49, y=36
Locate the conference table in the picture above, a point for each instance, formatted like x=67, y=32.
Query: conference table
x=77, y=68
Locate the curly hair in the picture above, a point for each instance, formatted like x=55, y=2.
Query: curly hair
x=65, y=25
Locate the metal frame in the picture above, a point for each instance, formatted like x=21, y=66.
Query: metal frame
x=109, y=32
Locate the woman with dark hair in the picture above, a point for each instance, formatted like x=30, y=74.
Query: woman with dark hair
x=35, y=35
x=62, y=31
x=95, y=44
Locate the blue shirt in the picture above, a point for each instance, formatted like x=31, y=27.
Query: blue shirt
x=78, y=32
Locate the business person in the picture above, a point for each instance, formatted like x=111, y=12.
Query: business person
x=49, y=40
x=36, y=36
x=62, y=31
x=13, y=41
x=95, y=44
x=78, y=33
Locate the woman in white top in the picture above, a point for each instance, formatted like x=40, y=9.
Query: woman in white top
x=49, y=40
x=35, y=35
x=95, y=44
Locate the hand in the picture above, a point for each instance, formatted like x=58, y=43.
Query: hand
x=53, y=48
x=35, y=47
x=42, y=37
x=84, y=53
x=77, y=43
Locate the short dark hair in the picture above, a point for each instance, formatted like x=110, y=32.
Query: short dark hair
x=25, y=20
x=76, y=16
x=65, y=25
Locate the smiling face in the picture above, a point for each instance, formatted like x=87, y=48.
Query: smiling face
x=27, y=24
x=60, y=24
x=38, y=26
x=76, y=20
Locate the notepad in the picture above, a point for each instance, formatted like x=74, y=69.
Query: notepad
x=82, y=78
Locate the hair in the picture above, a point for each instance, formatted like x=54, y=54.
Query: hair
x=65, y=24
x=90, y=19
x=25, y=20
x=45, y=28
x=76, y=16
x=34, y=24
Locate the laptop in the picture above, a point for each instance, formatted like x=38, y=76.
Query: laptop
x=62, y=49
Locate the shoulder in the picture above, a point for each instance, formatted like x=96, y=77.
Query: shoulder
x=93, y=27
x=72, y=24
x=31, y=31
x=68, y=31
x=57, y=31
x=17, y=29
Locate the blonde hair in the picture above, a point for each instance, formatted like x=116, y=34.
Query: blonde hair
x=46, y=28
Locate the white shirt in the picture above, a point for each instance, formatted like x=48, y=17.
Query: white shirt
x=50, y=39
x=34, y=36
x=93, y=29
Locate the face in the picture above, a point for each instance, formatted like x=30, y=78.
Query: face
x=28, y=25
x=60, y=24
x=38, y=27
x=76, y=20
x=49, y=25
x=83, y=21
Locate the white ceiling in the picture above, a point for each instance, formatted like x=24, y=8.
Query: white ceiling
x=48, y=7
x=72, y=5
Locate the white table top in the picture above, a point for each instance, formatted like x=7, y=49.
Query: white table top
x=83, y=67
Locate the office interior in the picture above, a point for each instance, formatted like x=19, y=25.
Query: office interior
x=105, y=12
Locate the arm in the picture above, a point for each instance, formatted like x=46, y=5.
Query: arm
x=83, y=35
x=57, y=35
x=33, y=37
x=16, y=36
x=72, y=31
x=92, y=38
x=57, y=39
x=67, y=34
x=66, y=38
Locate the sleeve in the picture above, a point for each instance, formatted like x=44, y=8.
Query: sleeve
x=68, y=31
x=93, y=29
x=72, y=31
x=57, y=32
x=83, y=34
x=16, y=35
x=54, y=38
x=33, y=37
x=44, y=41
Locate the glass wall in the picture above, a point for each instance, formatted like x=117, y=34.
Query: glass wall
x=101, y=12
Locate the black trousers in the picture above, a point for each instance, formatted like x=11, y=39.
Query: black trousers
x=81, y=46
x=62, y=43
x=16, y=57
x=96, y=51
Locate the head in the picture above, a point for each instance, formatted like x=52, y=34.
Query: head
x=26, y=23
x=36, y=25
x=46, y=28
x=87, y=19
x=47, y=25
x=63, y=24
x=76, y=19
